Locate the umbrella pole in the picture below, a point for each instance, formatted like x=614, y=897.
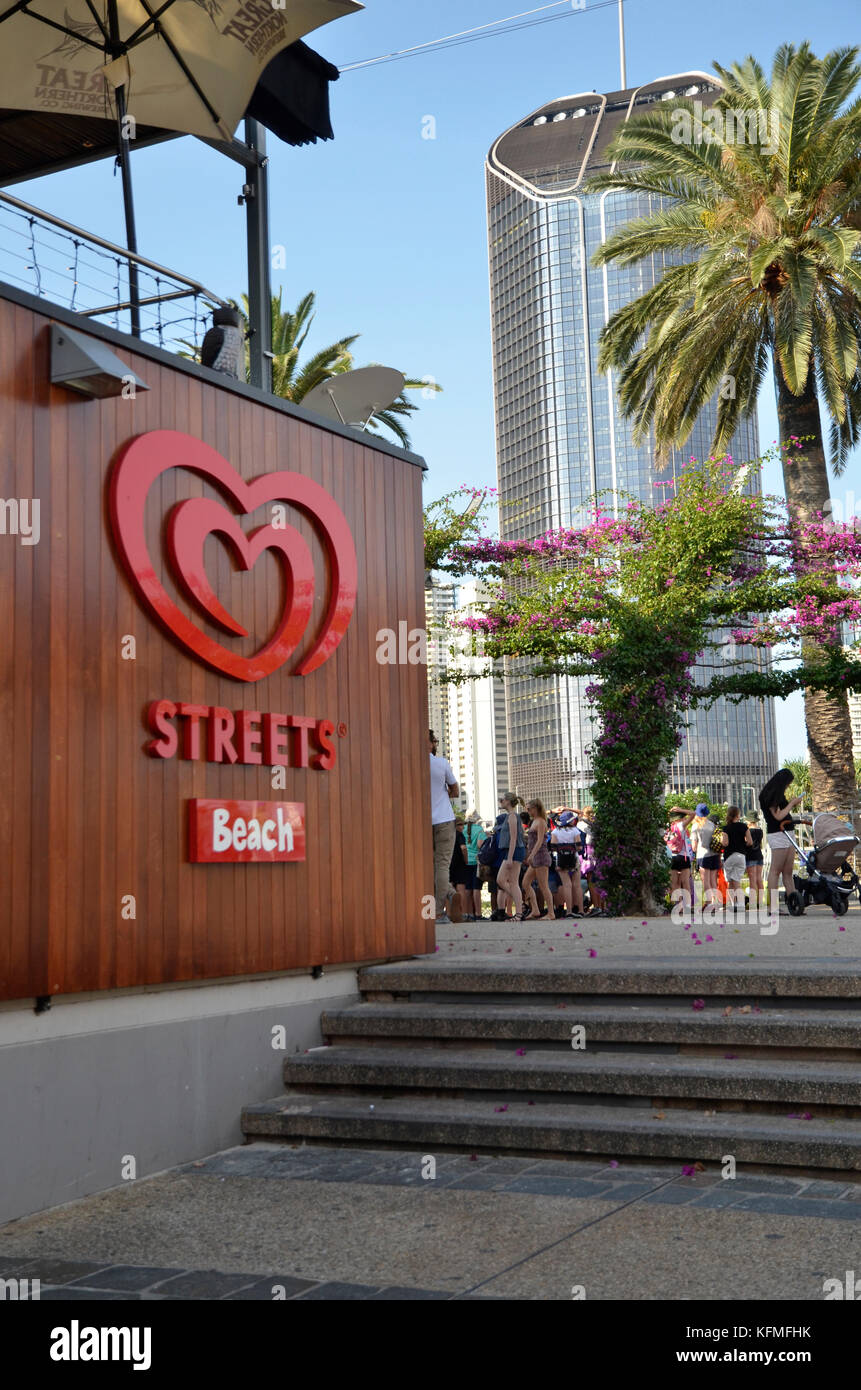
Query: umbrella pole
x=125, y=172
x=129, y=207
x=257, y=228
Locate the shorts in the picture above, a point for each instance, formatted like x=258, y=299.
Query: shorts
x=779, y=841
x=709, y=861
x=519, y=856
x=734, y=866
x=471, y=881
x=679, y=862
x=755, y=858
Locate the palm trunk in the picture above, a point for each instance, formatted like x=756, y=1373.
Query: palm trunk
x=805, y=476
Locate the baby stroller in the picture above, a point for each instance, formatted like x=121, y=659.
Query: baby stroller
x=829, y=878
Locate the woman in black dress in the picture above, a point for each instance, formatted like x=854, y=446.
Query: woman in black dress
x=777, y=811
x=459, y=874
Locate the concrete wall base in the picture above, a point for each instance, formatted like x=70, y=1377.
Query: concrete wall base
x=103, y=1086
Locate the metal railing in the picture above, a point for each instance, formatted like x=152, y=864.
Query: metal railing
x=83, y=272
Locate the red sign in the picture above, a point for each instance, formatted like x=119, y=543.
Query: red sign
x=240, y=736
x=142, y=462
x=245, y=832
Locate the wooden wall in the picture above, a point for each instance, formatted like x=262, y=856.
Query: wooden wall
x=86, y=816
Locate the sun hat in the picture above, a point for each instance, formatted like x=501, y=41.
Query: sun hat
x=566, y=818
x=703, y=808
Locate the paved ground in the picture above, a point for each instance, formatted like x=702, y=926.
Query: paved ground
x=817, y=933
x=266, y=1222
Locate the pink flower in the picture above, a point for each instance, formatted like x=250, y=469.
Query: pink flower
x=521, y=1052
x=614, y=1163
x=499, y=1109
x=591, y=952
x=698, y=1004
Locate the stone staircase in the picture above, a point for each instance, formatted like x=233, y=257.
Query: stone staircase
x=477, y=1055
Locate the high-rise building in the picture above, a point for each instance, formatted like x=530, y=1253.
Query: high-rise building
x=439, y=605
x=469, y=719
x=477, y=724
x=560, y=435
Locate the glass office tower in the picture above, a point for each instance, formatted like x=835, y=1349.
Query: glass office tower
x=560, y=437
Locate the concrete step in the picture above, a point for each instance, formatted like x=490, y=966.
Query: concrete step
x=794, y=1083
x=719, y=975
x=635, y=1021
x=472, y=1123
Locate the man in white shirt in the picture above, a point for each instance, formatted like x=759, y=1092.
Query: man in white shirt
x=443, y=787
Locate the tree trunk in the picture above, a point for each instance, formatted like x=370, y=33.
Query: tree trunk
x=805, y=476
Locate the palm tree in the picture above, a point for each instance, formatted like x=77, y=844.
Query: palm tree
x=761, y=240
x=293, y=379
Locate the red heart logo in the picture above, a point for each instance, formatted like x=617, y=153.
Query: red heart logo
x=142, y=462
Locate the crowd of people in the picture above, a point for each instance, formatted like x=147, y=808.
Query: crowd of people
x=541, y=864
x=535, y=863
x=696, y=843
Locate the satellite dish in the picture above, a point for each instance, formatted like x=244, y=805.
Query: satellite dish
x=353, y=397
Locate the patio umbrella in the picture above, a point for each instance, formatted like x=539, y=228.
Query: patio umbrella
x=181, y=65
x=185, y=65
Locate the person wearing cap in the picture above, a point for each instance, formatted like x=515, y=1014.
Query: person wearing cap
x=703, y=830
x=564, y=842
x=474, y=833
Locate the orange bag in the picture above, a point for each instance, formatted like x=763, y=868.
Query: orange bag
x=723, y=886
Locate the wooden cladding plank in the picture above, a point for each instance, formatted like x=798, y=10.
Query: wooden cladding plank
x=89, y=822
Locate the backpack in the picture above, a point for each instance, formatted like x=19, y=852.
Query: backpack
x=488, y=850
x=675, y=840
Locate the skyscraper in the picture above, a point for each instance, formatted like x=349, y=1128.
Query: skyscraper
x=477, y=723
x=560, y=436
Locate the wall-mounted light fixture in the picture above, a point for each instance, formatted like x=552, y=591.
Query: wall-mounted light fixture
x=88, y=366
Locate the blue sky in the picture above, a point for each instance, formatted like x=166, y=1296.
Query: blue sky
x=388, y=227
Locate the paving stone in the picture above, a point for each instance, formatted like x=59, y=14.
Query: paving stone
x=459, y=1165
x=822, y=1188
x=203, y=1283
x=513, y=1166
x=403, y=1179
x=785, y=1206
x=570, y=1168
x=64, y=1271
x=672, y=1196
x=634, y=1172
x=132, y=1278
x=339, y=1291
x=560, y=1187
x=772, y=1186
x=626, y=1191
x=16, y=1269
x=483, y=1182
x=75, y=1295
x=719, y=1197
x=261, y=1291
x=405, y=1295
